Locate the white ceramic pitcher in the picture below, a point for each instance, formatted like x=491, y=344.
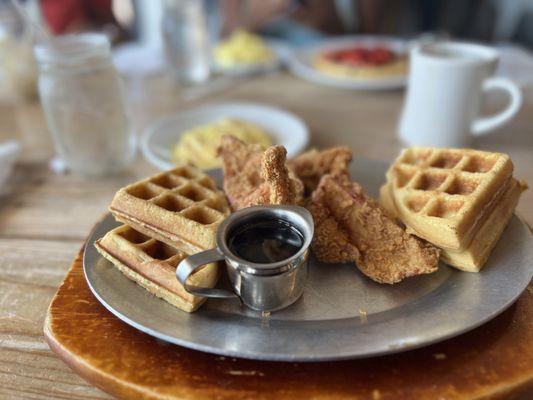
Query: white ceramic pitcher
x=446, y=84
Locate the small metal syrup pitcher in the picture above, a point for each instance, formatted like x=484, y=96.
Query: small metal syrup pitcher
x=261, y=286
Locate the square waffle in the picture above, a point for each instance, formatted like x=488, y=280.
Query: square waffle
x=152, y=264
x=443, y=195
x=181, y=207
x=476, y=254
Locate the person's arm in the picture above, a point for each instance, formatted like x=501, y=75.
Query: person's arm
x=251, y=14
x=319, y=14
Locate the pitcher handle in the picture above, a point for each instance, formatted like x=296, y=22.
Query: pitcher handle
x=191, y=264
x=486, y=124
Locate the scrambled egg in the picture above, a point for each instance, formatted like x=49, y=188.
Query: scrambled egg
x=242, y=48
x=198, y=146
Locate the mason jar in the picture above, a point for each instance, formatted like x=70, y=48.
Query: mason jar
x=82, y=97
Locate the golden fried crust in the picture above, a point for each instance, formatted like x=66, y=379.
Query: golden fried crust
x=385, y=252
x=285, y=188
x=239, y=156
x=312, y=165
x=331, y=243
x=253, y=177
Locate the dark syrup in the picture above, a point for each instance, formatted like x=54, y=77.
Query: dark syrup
x=265, y=241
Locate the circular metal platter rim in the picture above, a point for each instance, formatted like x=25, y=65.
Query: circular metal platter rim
x=283, y=357
x=340, y=333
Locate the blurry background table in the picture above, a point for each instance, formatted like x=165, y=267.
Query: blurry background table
x=45, y=217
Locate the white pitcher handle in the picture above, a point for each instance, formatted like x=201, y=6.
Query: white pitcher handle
x=486, y=124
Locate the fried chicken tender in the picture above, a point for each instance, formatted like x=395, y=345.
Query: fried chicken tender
x=314, y=164
x=253, y=176
x=351, y=226
x=331, y=243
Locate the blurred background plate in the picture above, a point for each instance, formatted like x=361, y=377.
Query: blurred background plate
x=283, y=127
x=300, y=63
x=281, y=50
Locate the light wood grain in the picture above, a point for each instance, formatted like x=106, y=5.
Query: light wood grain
x=45, y=205
x=30, y=271
x=45, y=217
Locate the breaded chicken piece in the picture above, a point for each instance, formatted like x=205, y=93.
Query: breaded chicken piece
x=283, y=189
x=331, y=243
x=351, y=226
x=314, y=164
x=253, y=176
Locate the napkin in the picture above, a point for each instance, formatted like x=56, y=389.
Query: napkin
x=8, y=154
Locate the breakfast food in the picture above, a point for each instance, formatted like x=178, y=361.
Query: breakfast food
x=253, y=176
x=314, y=164
x=181, y=207
x=443, y=195
x=243, y=48
x=474, y=256
x=198, y=146
x=448, y=203
x=168, y=216
x=351, y=226
x=460, y=200
x=152, y=264
x=361, y=62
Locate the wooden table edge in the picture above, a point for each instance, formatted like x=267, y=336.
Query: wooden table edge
x=95, y=376
x=124, y=389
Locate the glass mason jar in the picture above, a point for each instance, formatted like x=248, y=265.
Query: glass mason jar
x=81, y=94
x=186, y=40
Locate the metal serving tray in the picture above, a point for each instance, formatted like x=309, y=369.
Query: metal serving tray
x=341, y=315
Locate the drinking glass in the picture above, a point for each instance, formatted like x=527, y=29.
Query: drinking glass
x=81, y=94
x=186, y=40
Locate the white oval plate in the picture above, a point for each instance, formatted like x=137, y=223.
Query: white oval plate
x=282, y=126
x=300, y=63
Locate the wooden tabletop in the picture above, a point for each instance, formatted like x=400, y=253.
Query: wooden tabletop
x=45, y=217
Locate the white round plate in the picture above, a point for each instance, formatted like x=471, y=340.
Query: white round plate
x=300, y=63
x=342, y=314
x=281, y=52
x=283, y=127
